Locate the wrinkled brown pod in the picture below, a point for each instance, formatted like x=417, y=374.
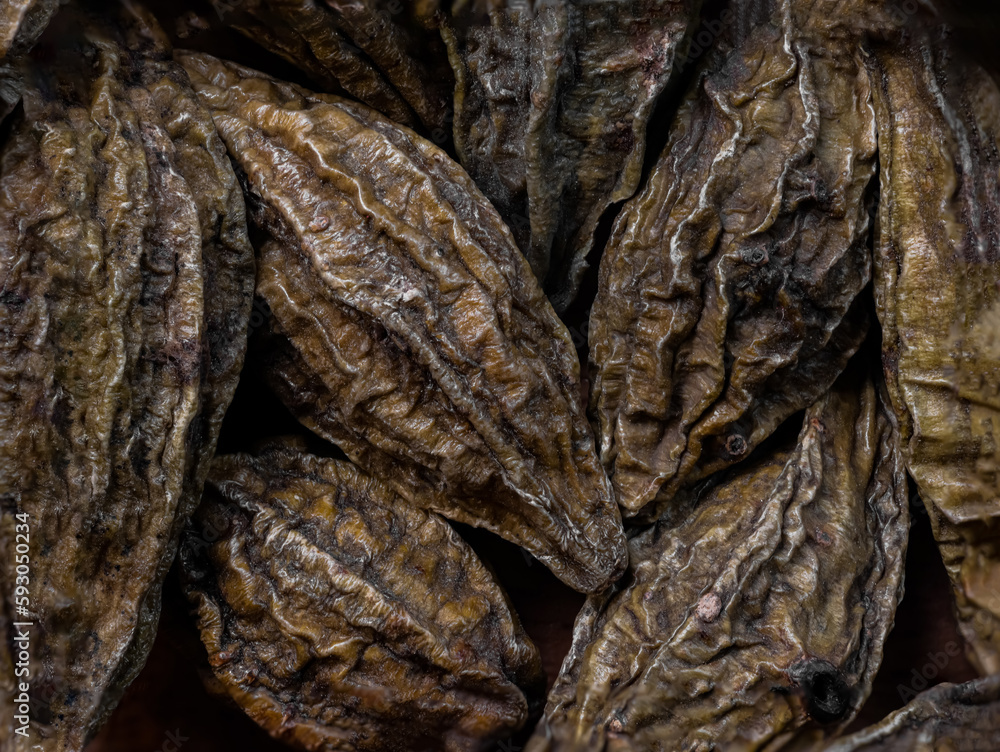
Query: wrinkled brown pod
x=491, y=60
x=937, y=288
x=368, y=48
x=597, y=70
x=552, y=101
x=22, y=22
x=754, y=617
x=729, y=293
x=409, y=329
x=946, y=718
x=126, y=279
x=340, y=617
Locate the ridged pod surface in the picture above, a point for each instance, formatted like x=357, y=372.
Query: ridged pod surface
x=408, y=328
x=729, y=292
x=126, y=279
x=552, y=101
x=945, y=718
x=754, y=618
x=490, y=61
x=21, y=23
x=373, y=49
x=340, y=617
x=597, y=70
x=937, y=287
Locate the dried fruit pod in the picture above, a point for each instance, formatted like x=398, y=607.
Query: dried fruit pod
x=127, y=279
x=364, y=47
x=757, y=615
x=414, y=335
x=597, y=70
x=492, y=95
x=937, y=288
x=946, y=718
x=338, y=616
x=728, y=294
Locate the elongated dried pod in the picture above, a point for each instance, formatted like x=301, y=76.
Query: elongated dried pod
x=362, y=47
x=126, y=279
x=937, y=288
x=729, y=293
x=757, y=616
x=339, y=616
x=945, y=718
x=597, y=70
x=409, y=328
x=491, y=62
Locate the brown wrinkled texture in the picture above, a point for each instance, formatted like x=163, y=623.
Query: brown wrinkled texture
x=492, y=90
x=126, y=278
x=22, y=22
x=597, y=69
x=10, y=88
x=938, y=297
x=946, y=718
x=340, y=617
x=756, y=617
x=414, y=335
x=552, y=101
x=729, y=293
x=382, y=52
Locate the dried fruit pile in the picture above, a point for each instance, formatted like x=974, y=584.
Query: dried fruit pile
x=685, y=300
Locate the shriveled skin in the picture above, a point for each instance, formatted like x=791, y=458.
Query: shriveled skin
x=341, y=617
x=946, y=718
x=126, y=279
x=358, y=46
x=22, y=22
x=10, y=88
x=728, y=295
x=492, y=95
x=597, y=69
x=551, y=105
x=422, y=344
x=937, y=287
x=757, y=620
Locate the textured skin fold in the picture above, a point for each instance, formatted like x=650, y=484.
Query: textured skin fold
x=936, y=287
x=597, y=70
x=552, y=102
x=384, y=52
x=22, y=22
x=492, y=94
